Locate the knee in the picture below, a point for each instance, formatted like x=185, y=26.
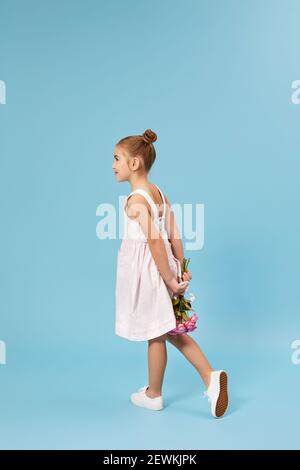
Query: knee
x=178, y=340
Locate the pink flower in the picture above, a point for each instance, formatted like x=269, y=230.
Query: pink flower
x=192, y=327
x=185, y=327
x=181, y=327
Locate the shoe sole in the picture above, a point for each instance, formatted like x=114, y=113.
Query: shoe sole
x=137, y=403
x=147, y=407
x=222, y=402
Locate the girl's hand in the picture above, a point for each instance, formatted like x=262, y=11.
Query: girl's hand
x=187, y=276
x=176, y=287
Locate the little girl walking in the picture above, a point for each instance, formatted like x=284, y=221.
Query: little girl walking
x=149, y=275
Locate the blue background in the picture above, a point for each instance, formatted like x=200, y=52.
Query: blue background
x=213, y=80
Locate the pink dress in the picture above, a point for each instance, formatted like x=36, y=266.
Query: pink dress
x=144, y=308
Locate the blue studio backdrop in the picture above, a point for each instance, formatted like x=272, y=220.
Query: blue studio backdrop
x=218, y=81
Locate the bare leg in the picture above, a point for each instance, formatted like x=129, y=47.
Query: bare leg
x=157, y=361
x=191, y=350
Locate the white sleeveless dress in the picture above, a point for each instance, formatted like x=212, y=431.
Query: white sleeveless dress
x=144, y=308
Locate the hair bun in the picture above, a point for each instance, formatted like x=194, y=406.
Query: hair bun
x=149, y=136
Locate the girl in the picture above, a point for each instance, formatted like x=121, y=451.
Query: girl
x=149, y=274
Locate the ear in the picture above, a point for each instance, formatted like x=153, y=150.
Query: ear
x=135, y=163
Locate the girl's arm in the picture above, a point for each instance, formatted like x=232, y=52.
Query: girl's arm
x=175, y=238
x=139, y=210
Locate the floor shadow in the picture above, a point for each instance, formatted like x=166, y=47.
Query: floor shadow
x=236, y=403
x=173, y=401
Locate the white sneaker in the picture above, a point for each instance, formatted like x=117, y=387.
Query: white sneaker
x=140, y=398
x=217, y=393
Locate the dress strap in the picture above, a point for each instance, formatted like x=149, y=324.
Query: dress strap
x=144, y=193
x=164, y=202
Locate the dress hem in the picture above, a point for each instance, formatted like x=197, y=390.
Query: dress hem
x=119, y=331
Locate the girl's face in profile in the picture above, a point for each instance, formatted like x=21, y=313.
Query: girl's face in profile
x=123, y=166
x=120, y=165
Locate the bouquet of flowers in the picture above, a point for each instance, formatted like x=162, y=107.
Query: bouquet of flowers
x=181, y=305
